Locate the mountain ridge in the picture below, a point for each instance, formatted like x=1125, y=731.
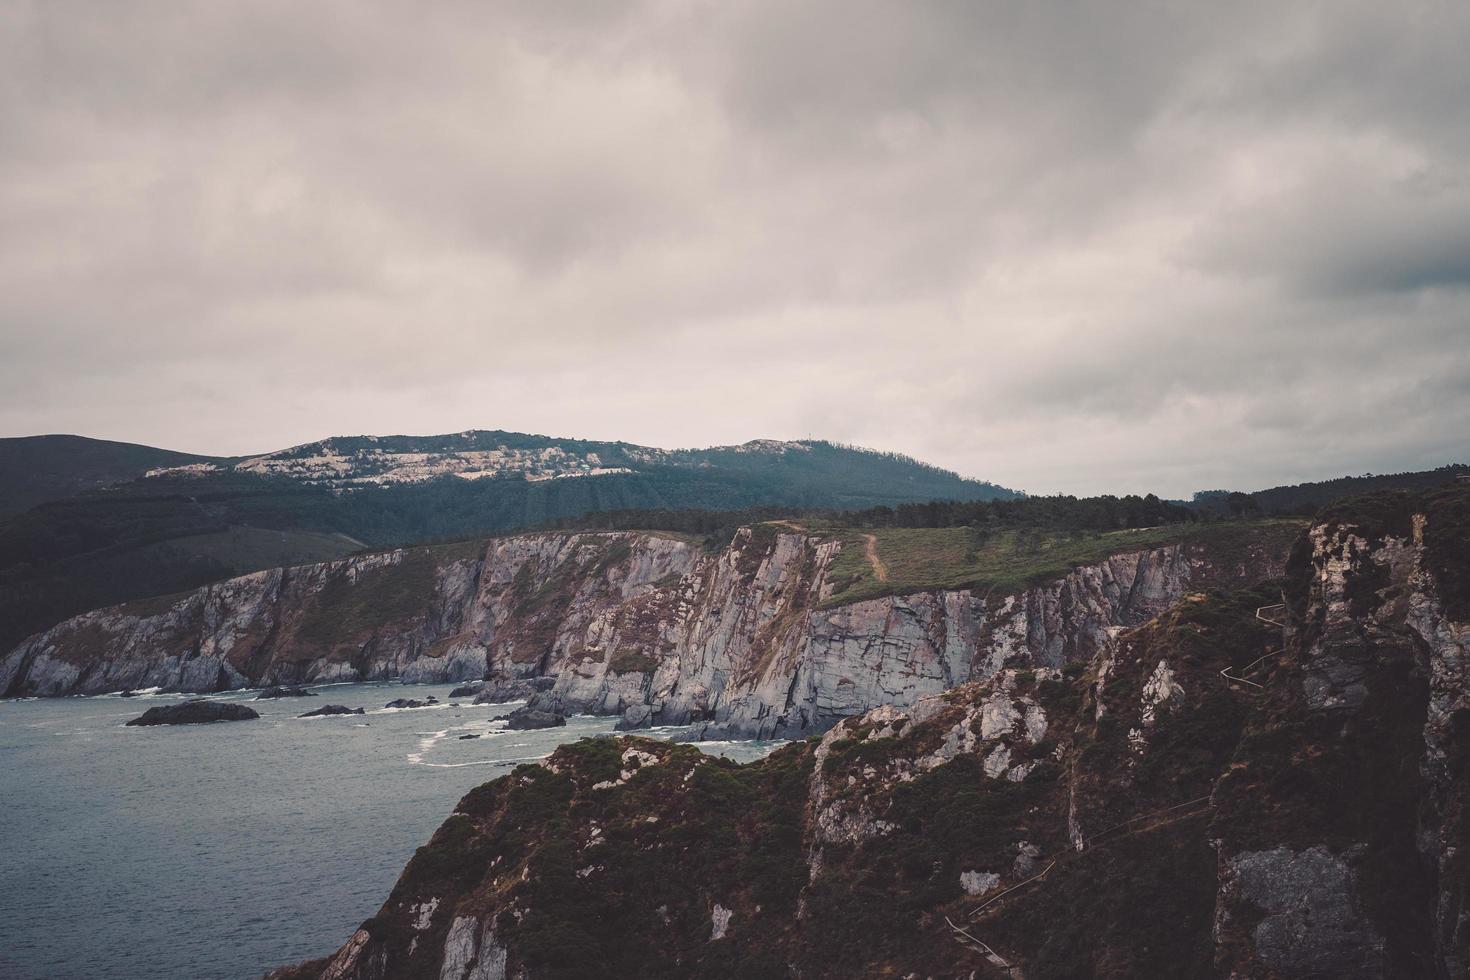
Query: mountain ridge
x=342, y=461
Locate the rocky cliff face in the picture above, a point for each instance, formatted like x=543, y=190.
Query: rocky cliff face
x=746, y=641
x=1204, y=794
x=377, y=616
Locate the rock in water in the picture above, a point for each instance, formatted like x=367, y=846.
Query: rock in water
x=195, y=712
x=410, y=703
x=468, y=690
x=528, y=717
x=284, y=692
x=332, y=709
x=636, y=716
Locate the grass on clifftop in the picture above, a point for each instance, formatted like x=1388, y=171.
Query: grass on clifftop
x=1006, y=560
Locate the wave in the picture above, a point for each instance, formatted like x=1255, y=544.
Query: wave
x=485, y=762
x=427, y=741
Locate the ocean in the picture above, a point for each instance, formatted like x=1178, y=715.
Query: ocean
x=224, y=850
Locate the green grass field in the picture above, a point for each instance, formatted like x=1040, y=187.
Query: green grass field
x=917, y=559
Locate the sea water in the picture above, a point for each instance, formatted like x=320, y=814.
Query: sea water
x=224, y=850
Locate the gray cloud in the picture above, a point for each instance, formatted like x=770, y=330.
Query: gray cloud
x=1071, y=247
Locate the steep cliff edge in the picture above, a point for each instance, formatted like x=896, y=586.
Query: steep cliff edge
x=1209, y=794
x=749, y=641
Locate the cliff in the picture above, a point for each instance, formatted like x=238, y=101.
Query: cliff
x=1213, y=792
x=752, y=640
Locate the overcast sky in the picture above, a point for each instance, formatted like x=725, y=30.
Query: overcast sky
x=1063, y=246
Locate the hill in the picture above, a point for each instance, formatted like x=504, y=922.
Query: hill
x=838, y=475
x=35, y=469
x=1305, y=499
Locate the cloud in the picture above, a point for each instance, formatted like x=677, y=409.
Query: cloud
x=1073, y=247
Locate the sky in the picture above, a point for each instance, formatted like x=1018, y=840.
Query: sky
x=1063, y=246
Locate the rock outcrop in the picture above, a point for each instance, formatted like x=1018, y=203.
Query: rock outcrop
x=1209, y=793
x=195, y=712
x=748, y=641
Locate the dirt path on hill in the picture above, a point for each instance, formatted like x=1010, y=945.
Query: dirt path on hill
x=870, y=548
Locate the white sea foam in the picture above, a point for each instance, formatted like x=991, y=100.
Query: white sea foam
x=426, y=707
x=425, y=744
x=427, y=741
x=484, y=762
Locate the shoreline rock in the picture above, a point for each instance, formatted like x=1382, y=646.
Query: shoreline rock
x=634, y=717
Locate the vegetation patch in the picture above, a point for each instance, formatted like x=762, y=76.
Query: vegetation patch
x=668, y=581
x=381, y=596
x=622, y=880
x=632, y=661
x=85, y=644
x=1011, y=559
x=1447, y=548
x=757, y=547
x=471, y=549
x=617, y=551
x=154, y=606
x=1141, y=906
